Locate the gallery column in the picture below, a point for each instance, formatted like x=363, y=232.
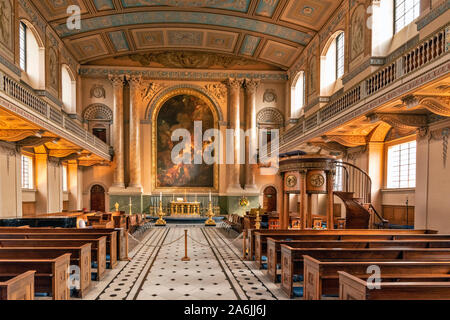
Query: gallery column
x=135, y=132
x=117, y=127
x=235, y=123
x=251, y=87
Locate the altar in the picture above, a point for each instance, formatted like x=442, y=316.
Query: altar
x=184, y=208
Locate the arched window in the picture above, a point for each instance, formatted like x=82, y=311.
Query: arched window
x=298, y=95
x=332, y=64
x=68, y=89
x=32, y=55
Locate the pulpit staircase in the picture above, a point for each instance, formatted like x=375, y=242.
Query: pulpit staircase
x=353, y=186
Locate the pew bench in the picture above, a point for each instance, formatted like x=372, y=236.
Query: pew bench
x=79, y=256
x=111, y=249
x=321, y=276
x=354, y=288
x=274, y=248
x=20, y=287
x=261, y=239
x=292, y=262
x=251, y=233
x=51, y=277
x=98, y=245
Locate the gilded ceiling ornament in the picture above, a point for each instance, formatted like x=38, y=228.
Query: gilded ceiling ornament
x=13, y=135
x=347, y=140
x=403, y=121
x=437, y=105
x=238, y=4
x=189, y=59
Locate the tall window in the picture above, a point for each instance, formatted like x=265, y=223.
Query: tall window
x=27, y=172
x=402, y=165
x=298, y=100
x=23, y=45
x=405, y=12
x=65, y=184
x=68, y=88
x=340, y=55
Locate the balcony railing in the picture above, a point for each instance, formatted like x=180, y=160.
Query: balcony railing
x=425, y=52
x=56, y=117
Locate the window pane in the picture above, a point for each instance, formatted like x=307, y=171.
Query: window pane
x=405, y=12
x=27, y=172
x=22, y=46
x=402, y=165
x=340, y=55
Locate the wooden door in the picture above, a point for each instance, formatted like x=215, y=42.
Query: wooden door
x=98, y=198
x=270, y=199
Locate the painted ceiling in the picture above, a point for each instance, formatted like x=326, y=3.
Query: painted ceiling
x=270, y=31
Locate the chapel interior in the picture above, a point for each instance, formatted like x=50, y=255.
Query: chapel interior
x=224, y=149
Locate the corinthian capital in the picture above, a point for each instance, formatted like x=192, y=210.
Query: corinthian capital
x=135, y=81
x=235, y=84
x=251, y=85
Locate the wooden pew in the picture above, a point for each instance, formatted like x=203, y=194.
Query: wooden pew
x=261, y=239
x=292, y=258
x=251, y=233
x=111, y=237
x=98, y=255
x=52, y=273
x=79, y=256
x=20, y=287
x=321, y=276
x=354, y=288
x=274, y=247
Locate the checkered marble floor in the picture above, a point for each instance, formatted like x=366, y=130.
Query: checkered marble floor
x=215, y=270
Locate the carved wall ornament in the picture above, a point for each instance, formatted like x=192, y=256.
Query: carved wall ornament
x=189, y=59
x=217, y=90
x=312, y=76
x=150, y=89
x=410, y=101
x=97, y=111
x=53, y=69
x=358, y=26
x=98, y=91
x=445, y=134
x=5, y=23
x=270, y=96
x=331, y=147
x=270, y=117
x=402, y=120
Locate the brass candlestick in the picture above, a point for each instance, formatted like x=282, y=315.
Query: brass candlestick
x=117, y=207
x=160, y=221
x=210, y=222
x=258, y=219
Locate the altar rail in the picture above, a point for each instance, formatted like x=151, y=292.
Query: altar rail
x=427, y=51
x=55, y=117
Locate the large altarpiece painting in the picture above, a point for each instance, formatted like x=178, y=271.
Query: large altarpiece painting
x=179, y=110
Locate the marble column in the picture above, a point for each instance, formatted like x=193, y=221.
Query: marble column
x=251, y=87
x=135, y=133
x=235, y=123
x=117, y=129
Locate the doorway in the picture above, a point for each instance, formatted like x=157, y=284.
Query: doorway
x=270, y=199
x=100, y=133
x=97, y=198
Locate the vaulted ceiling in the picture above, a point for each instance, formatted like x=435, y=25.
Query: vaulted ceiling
x=272, y=32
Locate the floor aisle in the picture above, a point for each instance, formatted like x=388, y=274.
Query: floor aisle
x=215, y=271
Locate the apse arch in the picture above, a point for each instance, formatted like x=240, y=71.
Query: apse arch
x=156, y=100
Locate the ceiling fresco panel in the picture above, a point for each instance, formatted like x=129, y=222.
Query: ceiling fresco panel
x=233, y=5
x=119, y=40
x=56, y=9
x=89, y=47
x=278, y=53
x=221, y=40
x=249, y=45
x=148, y=38
x=309, y=13
x=103, y=5
x=266, y=8
x=167, y=17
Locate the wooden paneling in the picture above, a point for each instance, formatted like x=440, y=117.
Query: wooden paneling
x=399, y=215
x=29, y=209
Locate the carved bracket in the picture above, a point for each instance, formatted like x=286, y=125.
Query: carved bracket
x=346, y=140
x=402, y=121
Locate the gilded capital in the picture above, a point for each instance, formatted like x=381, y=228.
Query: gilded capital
x=116, y=80
x=235, y=84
